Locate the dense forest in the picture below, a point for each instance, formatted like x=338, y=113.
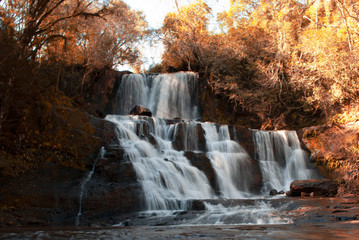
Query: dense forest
x=283, y=60
x=291, y=64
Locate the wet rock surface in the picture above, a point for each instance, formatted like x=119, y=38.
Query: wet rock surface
x=312, y=218
x=244, y=136
x=283, y=210
x=49, y=194
x=142, y=111
x=296, y=231
x=201, y=161
x=189, y=137
x=101, y=94
x=317, y=187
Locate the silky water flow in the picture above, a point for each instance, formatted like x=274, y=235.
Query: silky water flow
x=169, y=180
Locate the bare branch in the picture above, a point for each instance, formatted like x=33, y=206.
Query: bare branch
x=84, y=14
x=45, y=15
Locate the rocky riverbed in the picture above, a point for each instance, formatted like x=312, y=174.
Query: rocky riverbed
x=301, y=218
x=345, y=230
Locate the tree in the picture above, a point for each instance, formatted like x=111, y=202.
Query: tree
x=112, y=27
x=281, y=60
x=85, y=32
x=326, y=66
x=184, y=32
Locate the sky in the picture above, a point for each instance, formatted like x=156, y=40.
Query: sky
x=155, y=12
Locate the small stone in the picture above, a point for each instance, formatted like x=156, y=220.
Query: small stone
x=273, y=192
x=288, y=193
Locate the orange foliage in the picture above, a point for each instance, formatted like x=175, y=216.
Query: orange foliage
x=77, y=32
x=289, y=62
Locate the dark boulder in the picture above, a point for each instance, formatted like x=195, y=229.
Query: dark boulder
x=320, y=187
x=273, y=192
x=142, y=111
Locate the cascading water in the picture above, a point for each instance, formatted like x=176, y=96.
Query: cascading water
x=159, y=150
x=166, y=95
x=281, y=158
x=167, y=177
x=229, y=160
x=259, y=212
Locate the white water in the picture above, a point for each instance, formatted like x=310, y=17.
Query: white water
x=85, y=181
x=258, y=214
x=167, y=95
x=167, y=177
x=281, y=158
x=229, y=160
x=189, y=131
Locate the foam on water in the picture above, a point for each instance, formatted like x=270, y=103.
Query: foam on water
x=166, y=175
x=258, y=214
x=170, y=95
x=281, y=158
x=169, y=180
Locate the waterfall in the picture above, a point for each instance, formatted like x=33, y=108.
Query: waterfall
x=167, y=95
x=229, y=160
x=177, y=158
x=166, y=175
x=281, y=158
x=85, y=181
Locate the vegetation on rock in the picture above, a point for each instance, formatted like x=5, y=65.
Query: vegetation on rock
x=291, y=63
x=53, y=53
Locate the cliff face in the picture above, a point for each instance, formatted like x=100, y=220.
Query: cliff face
x=56, y=145
x=334, y=147
x=46, y=171
x=42, y=178
x=48, y=144
x=335, y=153
x=217, y=107
x=101, y=91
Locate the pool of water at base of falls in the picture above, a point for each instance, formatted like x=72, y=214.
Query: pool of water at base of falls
x=250, y=212
x=282, y=232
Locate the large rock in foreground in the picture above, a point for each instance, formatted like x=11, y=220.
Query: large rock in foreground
x=321, y=187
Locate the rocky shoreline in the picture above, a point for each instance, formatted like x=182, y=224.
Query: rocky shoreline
x=313, y=217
